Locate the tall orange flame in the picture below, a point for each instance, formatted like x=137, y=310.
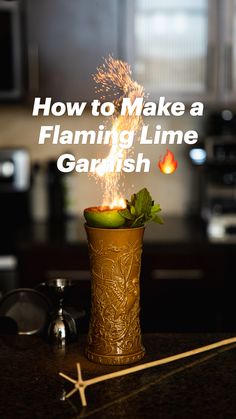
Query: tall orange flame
x=168, y=165
x=113, y=78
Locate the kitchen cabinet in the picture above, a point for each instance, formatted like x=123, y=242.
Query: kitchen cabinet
x=66, y=41
x=228, y=51
x=11, y=77
x=184, y=50
x=230, y=288
x=171, y=44
x=182, y=288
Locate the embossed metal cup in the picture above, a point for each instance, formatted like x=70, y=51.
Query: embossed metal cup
x=115, y=260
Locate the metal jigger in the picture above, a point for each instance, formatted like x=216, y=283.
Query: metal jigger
x=62, y=327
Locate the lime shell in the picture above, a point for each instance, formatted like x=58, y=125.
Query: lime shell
x=104, y=217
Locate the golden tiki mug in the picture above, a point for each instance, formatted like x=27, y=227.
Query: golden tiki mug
x=115, y=260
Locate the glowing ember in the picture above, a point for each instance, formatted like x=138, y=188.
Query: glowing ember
x=168, y=165
x=113, y=79
x=118, y=203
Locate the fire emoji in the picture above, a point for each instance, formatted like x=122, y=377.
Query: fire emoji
x=168, y=165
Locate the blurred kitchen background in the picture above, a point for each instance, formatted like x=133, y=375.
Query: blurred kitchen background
x=183, y=50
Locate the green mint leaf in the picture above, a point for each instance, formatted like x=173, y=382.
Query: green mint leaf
x=133, y=199
x=141, y=209
x=126, y=214
x=157, y=219
x=138, y=222
x=143, y=202
x=155, y=208
x=132, y=210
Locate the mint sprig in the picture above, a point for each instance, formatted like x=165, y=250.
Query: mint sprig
x=140, y=210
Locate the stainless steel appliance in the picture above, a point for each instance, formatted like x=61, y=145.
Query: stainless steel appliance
x=11, y=80
x=8, y=273
x=14, y=170
x=14, y=185
x=217, y=158
x=14, y=210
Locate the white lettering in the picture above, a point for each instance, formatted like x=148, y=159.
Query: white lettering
x=57, y=108
x=107, y=109
x=95, y=103
x=66, y=163
x=129, y=108
x=44, y=133
x=191, y=137
x=197, y=109
x=140, y=162
x=177, y=109
x=38, y=105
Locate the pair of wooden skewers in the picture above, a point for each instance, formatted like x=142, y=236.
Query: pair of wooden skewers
x=80, y=385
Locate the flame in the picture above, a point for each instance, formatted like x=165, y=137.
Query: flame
x=118, y=203
x=114, y=78
x=168, y=165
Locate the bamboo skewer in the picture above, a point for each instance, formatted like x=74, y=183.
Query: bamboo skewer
x=80, y=384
